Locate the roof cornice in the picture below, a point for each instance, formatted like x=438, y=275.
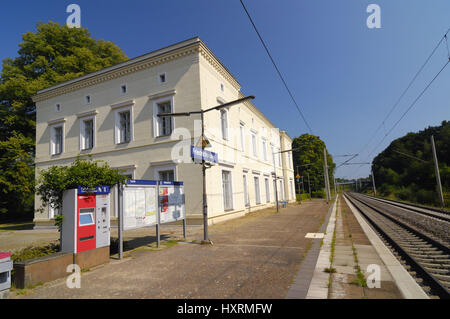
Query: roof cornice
x=173, y=52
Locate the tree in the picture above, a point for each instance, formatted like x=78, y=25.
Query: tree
x=53, y=181
x=310, y=151
x=51, y=55
x=405, y=169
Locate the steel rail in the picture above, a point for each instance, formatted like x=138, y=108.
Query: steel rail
x=437, y=287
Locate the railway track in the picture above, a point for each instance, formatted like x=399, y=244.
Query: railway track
x=425, y=257
x=431, y=212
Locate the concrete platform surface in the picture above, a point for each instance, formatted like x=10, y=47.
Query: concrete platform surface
x=256, y=256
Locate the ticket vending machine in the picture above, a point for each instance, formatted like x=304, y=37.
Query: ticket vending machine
x=86, y=223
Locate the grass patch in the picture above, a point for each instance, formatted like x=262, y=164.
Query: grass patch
x=16, y=226
x=330, y=270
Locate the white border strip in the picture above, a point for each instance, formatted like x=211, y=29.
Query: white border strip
x=318, y=288
x=408, y=287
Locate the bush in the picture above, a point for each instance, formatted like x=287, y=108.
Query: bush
x=35, y=252
x=318, y=194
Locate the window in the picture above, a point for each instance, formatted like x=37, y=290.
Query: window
x=264, y=149
x=246, y=197
x=281, y=191
x=227, y=190
x=57, y=140
x=124, y=127
x=257, y=190
x=163, y=124
x=275, y=191
x=162, y=78
x=167, y=176
x=57, y=107
x=87, y=99
x=290, y=159
x=266, y=182
x=87, y=133
x=242, y=138
x=254, y=145
x=224, y=123
x=123, y=89
x=222, y=88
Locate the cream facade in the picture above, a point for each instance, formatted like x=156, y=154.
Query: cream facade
x=112, y=115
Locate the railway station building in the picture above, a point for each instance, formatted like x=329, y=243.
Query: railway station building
x=111, y=115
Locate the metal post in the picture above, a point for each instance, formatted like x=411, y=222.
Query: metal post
x=120, y=221
x=276, y=188
x=158, y=233
x=298, y=186
x=184, y=228
x=205, y=203
x=438, y=176
x=327, y=181
x=373, y=184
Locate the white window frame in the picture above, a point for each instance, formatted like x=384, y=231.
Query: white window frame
x=52, y=138
x=159, y=77
x=267, y=186
x=264, y=148
x=86, y=98
x=257, y=190
x=117, y=111
x=165, y=168
x=155, y=115
x=246, y=194
x=224, y=129
x=254, y=144
x=82, y=130
x=231, y=190
x=127, y=170
x=242, y=128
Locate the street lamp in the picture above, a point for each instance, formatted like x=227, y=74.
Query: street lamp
x=202, y=112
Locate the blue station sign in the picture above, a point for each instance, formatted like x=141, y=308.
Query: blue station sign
x=198, y=154
x=94, y=190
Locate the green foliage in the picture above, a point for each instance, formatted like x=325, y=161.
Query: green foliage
x=34, y=252
x=310, y=151
x=318, y=194
x=402, y=177
x=53, y=181
x=51, y=55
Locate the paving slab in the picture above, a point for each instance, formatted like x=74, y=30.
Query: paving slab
x=256, y=256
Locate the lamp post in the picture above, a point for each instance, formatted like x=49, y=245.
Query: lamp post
x=202, y=112
x=275, y=173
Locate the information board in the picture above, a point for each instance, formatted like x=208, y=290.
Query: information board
x=171, y=202
x=140, y=205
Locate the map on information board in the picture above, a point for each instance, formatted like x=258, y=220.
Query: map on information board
x=139, y=206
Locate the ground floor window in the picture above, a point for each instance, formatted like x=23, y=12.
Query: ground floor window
x=257, y=191
x=246, y=197
x=227, y=190
x=266, y=182
x=167, y=176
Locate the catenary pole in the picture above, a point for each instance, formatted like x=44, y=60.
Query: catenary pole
x=438, y=176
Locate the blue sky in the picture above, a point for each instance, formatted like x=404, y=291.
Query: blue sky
x=345, y=76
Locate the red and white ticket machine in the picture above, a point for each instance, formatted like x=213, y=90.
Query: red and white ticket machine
x=86, y=223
